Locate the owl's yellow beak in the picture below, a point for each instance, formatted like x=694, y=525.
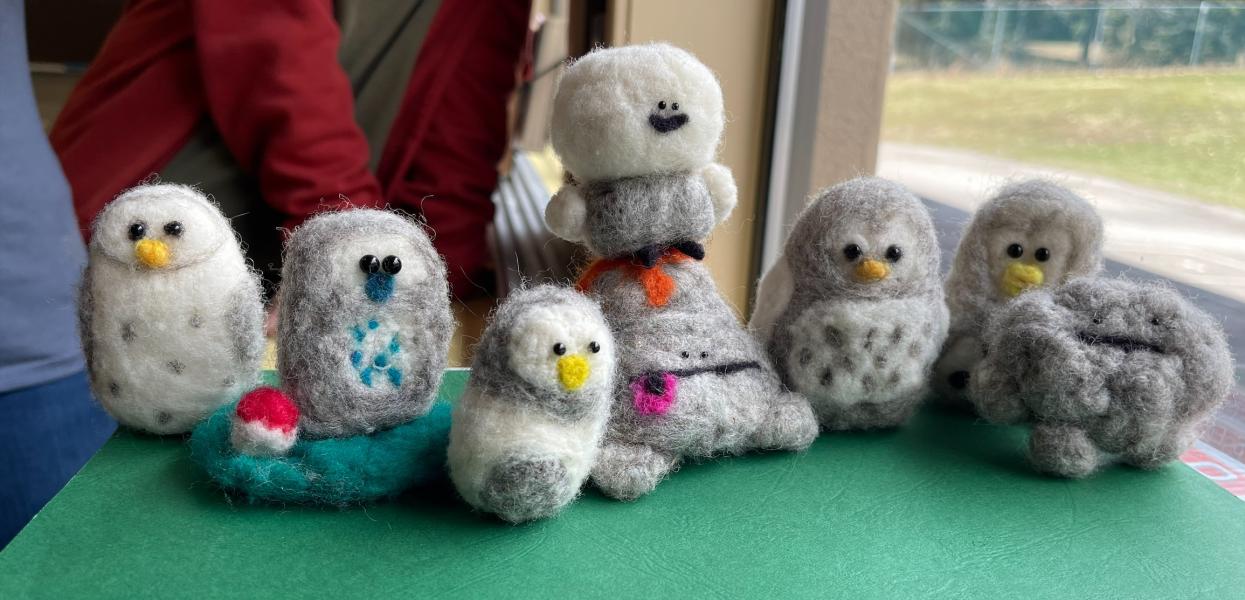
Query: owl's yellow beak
x=870, y=270
x=153, y=254
x=573, y=371
x=1020, y=277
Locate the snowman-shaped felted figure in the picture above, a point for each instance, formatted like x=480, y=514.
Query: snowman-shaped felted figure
x=637, y=129
x=363, y=338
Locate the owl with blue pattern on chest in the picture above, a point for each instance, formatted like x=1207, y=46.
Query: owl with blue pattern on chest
x=365, y=322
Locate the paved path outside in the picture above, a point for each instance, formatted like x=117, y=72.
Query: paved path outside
x=1194, y=243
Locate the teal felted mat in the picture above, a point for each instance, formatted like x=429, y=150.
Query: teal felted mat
x=329, y=471
x=944, y=508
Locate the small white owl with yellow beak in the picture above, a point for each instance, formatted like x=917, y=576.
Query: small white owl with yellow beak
x=853, y=313
x=526, y=431
x=1031, y=234
x=171, y=317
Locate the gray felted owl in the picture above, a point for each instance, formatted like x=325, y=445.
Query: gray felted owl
x=852, y=313
x=526, y=431
x=1031, y=234
x=1103, y=369
x=638, y=127
x=170, y=316
x=365, y=322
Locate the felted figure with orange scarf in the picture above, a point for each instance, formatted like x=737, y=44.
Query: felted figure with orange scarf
x=637, y=128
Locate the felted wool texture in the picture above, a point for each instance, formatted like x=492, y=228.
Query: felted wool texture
x=334, y=471
x=611, y=104
x=360, y=352
x=860, y=351
x=522, y=442
x=1105, y=369
x=166, y=345
x=1034, y=214
x=691, y=384
x=637, y=127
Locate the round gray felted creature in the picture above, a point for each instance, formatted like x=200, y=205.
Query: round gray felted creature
x=526, y=431
x=637, y=128
x=365, y=322
x=170, y=316
x=1031, y=234
x=1103, y=368
x=853, y=313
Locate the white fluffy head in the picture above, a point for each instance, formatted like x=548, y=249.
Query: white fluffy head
x=540, y=332
x=190, y=226
x=636, y=110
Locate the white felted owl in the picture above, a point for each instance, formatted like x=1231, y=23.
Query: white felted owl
x=853, y=313
x=525, y=433
x=1031, y=234
x=170, y=315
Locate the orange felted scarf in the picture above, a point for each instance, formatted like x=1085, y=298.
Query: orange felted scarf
x=658, y=285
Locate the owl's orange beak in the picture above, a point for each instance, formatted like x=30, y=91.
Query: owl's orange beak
x=153, y=254
x=870, y=270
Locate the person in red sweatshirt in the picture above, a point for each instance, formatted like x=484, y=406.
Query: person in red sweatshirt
x=283, y=108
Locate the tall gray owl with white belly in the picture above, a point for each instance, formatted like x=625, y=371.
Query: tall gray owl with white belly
x=170, y=316
x=853, y=313
x=365, y=322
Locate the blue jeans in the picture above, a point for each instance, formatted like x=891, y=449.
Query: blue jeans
x=47, y=432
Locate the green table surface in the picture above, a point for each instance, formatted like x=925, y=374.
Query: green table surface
x=945, y=507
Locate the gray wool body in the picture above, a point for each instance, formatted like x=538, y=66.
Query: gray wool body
x=865, y=317
x=526, y=431
x=1103, y=369
x=626, y=215
x=1033, y=215
x=361, y=344
x=691, y=383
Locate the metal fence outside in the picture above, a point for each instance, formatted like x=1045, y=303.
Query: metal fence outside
x=1052, y=34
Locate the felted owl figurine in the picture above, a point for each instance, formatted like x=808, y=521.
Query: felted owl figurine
x=363, y=334
x=1031, y=234
x=171, y=317
x=1103, y=370
x=637, y=128
x=525, y=433
x=853, y=313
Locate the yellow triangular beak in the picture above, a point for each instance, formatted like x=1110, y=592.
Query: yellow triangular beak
x=573, y=371
x=153, y=254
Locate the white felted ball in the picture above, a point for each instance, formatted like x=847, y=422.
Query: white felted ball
x=170, y=315
x=606, y=104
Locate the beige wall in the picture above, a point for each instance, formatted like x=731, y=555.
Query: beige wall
x=855, y=62
x=733, y=38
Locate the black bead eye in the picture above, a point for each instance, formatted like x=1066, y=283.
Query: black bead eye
x=685, y=354
x=369, y=264
x=391, y=265
x=559, y=348
x=674, y=106
x=1155, y=321
x=661, y=105
x=1097, y=320
x=704, y=355
x=852, y=251
x=1042, y=255
x=1015, y=250
x=594, y=347
x=894, y=253
x=138, y=231
x=173, y=228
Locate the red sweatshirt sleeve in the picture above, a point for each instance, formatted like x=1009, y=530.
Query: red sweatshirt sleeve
x=282, y=102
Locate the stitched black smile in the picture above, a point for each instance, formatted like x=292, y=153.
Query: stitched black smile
x=654, y=382
x=667, y=124
x=1124, y=343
